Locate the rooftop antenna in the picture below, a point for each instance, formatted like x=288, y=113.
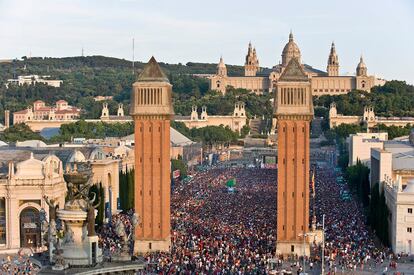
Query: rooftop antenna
x=133, y=56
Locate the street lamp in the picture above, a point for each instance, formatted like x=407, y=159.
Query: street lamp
x=323, y=245
x=304, y=235
x=42, y=215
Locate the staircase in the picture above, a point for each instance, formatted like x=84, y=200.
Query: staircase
x=256, y=125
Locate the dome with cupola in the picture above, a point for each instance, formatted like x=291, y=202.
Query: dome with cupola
x=290, y=50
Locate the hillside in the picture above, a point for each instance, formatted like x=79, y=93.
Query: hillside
x=87, y=77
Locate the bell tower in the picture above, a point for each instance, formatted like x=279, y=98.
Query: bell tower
x=333, y=62
x=251, y=66
x=151, y=109
x=294, y=112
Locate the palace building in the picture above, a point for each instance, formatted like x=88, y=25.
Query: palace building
x=261, y=80
x=235, y=122
x=368, y=118
x=40, y=112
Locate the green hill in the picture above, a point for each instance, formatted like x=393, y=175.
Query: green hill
x=87, y=77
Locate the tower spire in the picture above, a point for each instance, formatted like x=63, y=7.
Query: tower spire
x=333, y=62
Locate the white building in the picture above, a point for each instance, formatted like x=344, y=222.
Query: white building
x=27, y=174
x=24, y=181
x=33, y=79
x=400, y=202
x=360, y=145
x=393, y=168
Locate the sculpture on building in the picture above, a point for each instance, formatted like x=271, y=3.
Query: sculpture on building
x=91, y=214
x=53, y=207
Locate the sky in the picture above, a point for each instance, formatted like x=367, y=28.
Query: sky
x=201, y=31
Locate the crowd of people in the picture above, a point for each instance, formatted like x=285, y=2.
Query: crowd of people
x=19, y=265
x=217, y=231
x=349, y=242
x=108, y=238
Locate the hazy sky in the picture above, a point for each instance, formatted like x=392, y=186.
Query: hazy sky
x=195, y=30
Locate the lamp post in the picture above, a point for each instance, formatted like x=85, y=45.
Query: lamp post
x=304, y=235
x=323, y=245
x=42, y=221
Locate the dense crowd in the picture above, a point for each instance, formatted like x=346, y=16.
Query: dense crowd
x=217, y=231
x=109, y=239
x=349, y=242
x=19, y=265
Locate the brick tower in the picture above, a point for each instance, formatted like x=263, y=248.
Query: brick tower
x=294, y=111
x=151, y=109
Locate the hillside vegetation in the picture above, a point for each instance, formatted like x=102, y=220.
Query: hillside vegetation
x=87, y=77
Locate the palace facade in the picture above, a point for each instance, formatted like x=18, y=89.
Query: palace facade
x=235, y=122
x=40, y=112
x=261, y=80
x=368, y=118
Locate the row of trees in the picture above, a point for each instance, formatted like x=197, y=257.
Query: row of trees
x=126, y=189
x=219, y=104
x=19, y=132
x=209, y=135
x=373, y=199
x=379, y=213
x=395, y=98
x=340, y=133
x=91, y=130
x=358, y=179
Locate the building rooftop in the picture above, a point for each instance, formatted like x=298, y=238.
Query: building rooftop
x=152, y=72
x=179, y=139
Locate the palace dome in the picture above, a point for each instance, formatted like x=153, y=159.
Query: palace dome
x=290, y=50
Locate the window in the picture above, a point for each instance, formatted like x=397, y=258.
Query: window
x=292, y=248
x=2, y=221
x=410, y=210
x=409, y=230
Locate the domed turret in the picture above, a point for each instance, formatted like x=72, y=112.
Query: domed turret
x=361, y=68
x=289, y=51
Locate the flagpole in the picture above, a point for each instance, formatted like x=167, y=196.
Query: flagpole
x=313, y=201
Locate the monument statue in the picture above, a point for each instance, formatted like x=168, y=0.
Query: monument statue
x=91, y=214
x=120, y=231
x=53, y=207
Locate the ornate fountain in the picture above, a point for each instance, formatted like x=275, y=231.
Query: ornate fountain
x=79, y=245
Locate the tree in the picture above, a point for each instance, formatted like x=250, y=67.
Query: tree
x=179, y=164
x=19, y=132
x=89, y=130
x=379, y=213
x=126, y=189
x=358, y=179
